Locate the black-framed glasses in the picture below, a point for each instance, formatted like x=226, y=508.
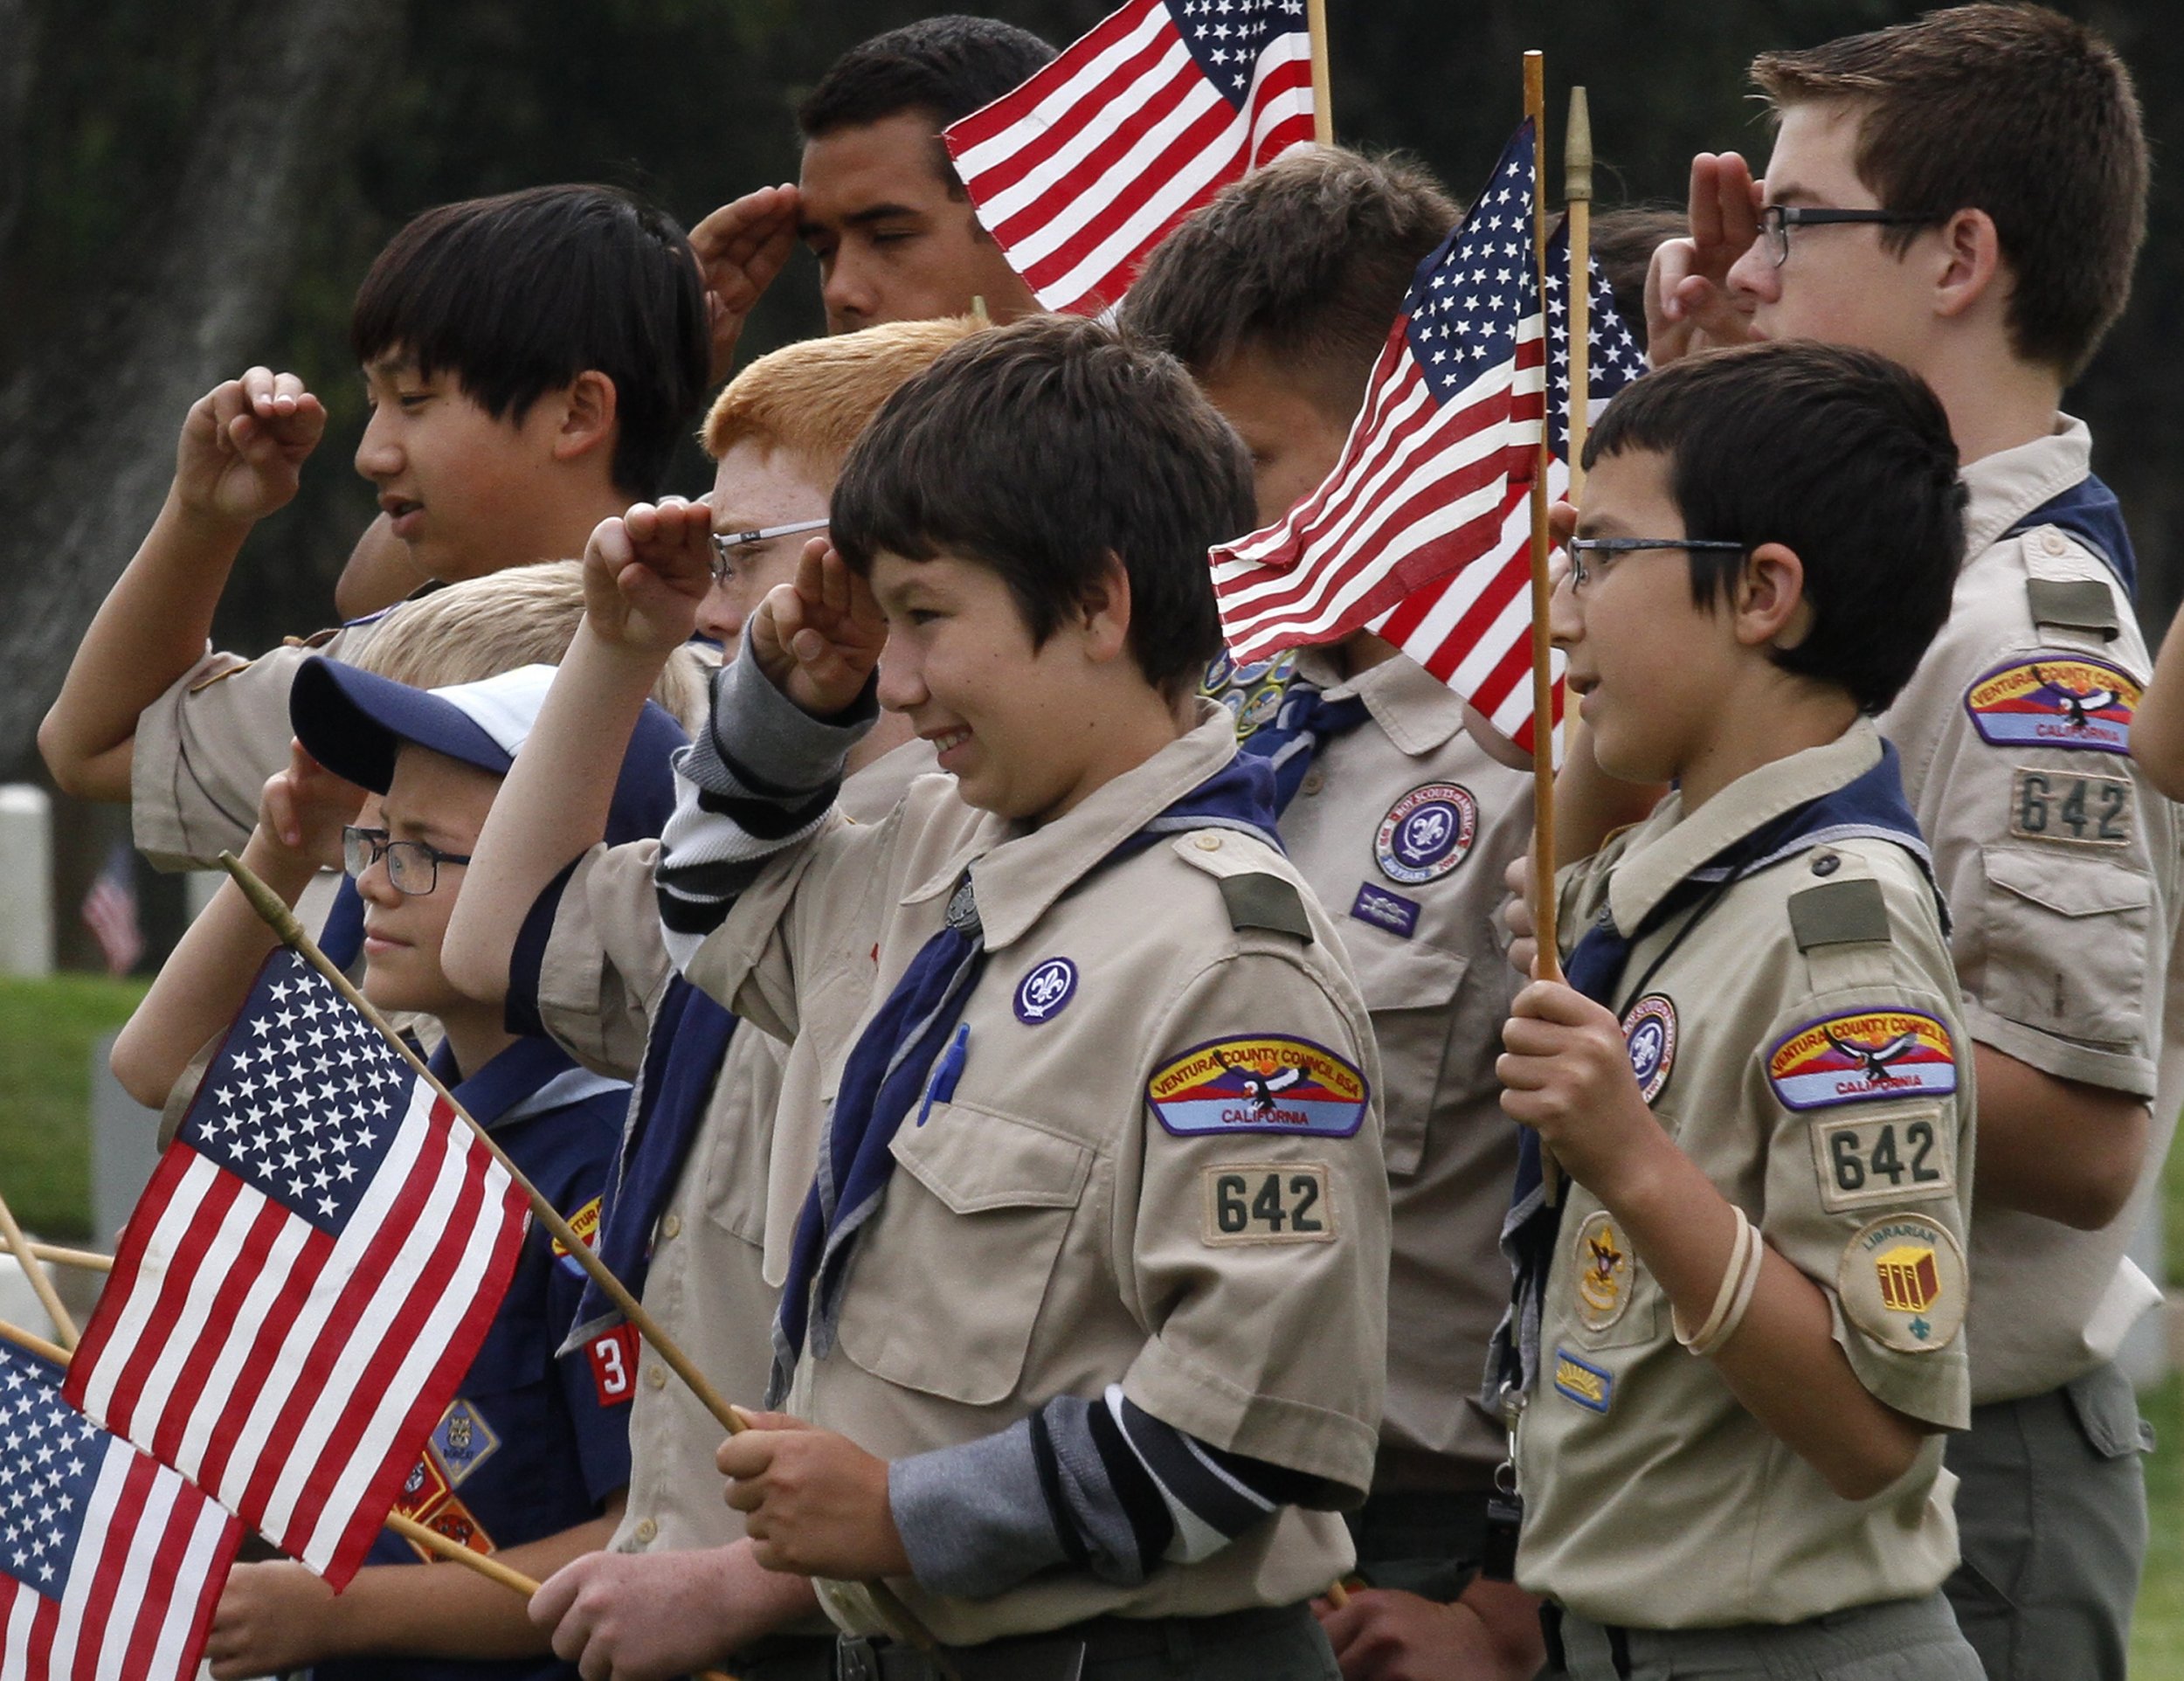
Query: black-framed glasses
x=1777, y=220
x=1611, y=549
x=413, y=865
x=726, y=543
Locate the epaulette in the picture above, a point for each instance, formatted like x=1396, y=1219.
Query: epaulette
x=1253, y=897
x=1850, y=912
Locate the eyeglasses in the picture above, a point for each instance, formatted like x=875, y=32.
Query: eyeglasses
x=1777, y=220
x=726, y=543
x=1612, y=548
x=413, y=865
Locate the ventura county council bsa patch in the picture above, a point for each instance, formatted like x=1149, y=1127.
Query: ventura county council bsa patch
x=1260, y=1083
x=1862, y=1056
x=2055, y=700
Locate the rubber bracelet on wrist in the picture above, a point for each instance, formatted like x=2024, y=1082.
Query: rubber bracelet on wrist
x=1746, y=1287
x=1733, y=1276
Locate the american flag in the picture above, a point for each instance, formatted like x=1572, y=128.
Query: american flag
x=1081, y=171
x=110, y=1563
x=1437, y=471
x=306, y=1280
x=109, y=911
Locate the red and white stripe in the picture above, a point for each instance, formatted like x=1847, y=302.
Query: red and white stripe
x=1081, y=171
x=289, y=1374
x=152, y=1559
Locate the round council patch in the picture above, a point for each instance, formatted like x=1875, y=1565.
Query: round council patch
x=1650, y=1031
x=1041, y=994
x=1902, y=1283
x=1426, y=834
x=1605, y=1270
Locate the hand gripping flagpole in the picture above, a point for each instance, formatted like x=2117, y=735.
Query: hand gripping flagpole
x=277, y=916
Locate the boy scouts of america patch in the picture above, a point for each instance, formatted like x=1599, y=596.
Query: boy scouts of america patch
x=2055, y=700
x=1426, y=834
x=1650, y=1031
x=1251, y=693
x=1604, y=1270
x=1862, y=1056
x=1902, y=1282
x=1262, y=1083
x=464, y=1440
x=1042, y=991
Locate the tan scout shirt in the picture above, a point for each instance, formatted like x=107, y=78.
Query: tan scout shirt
x=2059, y=861
x=602, y=976
x=204, y=747
x=1423, y=933
x=1044, y=1232
x=1652, y=1498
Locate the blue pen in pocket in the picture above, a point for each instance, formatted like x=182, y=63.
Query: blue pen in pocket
x=947, y=1071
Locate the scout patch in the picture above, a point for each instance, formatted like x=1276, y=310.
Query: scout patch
x=463, y=1440
x=1263, y=1083
x=1862, y=1056
x=2070, y=811
x=1251, y=694
x=457, y=1522
x=1902, y=1158
x=1426, y=834
x=613, y=1358
x=1604, y=1271
x=423, y=1490
x=1902, y=1282
x=1592, y=1386
x=585, y=1223
x=1384, y=910
x=1042, y=993
x=1650, y=1031
x=1250, y=1203
x=2056, y=701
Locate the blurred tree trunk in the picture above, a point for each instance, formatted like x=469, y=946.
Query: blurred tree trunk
x=88, y=420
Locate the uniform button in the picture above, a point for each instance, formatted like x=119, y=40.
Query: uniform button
x=1827, y=863
x=671, y=1226
x=1314, y=781
x=1207, y=840
x=646, y=1532
x=657, y=1376
x=2053, y=541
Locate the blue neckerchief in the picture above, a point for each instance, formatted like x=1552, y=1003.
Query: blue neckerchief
x=1306, y=720
x=342, y=937
x=900, y=1055
x=1870, y=806
x=2089, y=512
x=529, y=1076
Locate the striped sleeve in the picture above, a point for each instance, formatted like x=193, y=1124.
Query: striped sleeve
x=759, y=779
x=1099, y=1486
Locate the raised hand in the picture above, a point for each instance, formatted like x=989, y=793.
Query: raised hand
x=304, y=809
x=645, y=573
x=1688, y=304
x=741, y=247
x=818, y=639
x=243, y=445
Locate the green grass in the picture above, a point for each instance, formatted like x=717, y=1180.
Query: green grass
x=47, y=1029
x=2156, y=1632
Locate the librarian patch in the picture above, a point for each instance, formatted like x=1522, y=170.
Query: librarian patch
x=1261, y=1084
x=1902, y=1282
x=1862, y=1056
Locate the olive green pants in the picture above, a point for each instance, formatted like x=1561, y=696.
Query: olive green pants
x=1898, y=1640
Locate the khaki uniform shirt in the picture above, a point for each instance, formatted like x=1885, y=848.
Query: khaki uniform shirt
x=204, y=747
x=1046, y=1231
x=1423, y=933
x=603, y=973
x=2059, y=861
x=1653, y=1498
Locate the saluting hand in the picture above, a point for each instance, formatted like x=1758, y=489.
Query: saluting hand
x=1688, y=304
x=243, y=445
x=818, y=639
x=1566, y=1072
x=740, y=248
x=644, y=572
x=816, y=1503
x=304, y=808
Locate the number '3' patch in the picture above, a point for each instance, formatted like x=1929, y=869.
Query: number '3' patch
x=1903, y=1158
x=1263, y=1202
x=2069, y=809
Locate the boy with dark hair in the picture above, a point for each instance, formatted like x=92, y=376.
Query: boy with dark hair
x=1747, y=1332
x=1108, y=1345
x=1967, y=194
x=506, y=423
x=877, y=201
x=1277, y=296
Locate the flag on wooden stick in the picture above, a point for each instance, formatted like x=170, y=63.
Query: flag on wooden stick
x=1081, y=171
x=307, y=1279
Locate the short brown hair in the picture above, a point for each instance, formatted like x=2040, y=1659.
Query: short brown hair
x=1624, y=240
x=814, y=397
x=1306, y=261
x=2011, y=109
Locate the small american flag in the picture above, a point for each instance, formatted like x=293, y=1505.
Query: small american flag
x=110, y=1563
x=109, y=911
x=1080, y=172
x=306, y=1280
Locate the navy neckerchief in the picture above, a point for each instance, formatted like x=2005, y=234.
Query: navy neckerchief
x=529, y=1077
x=342, y=937
x=1871, y=805
x=1306, y=722
x=899, y=1055
x=2089, y=512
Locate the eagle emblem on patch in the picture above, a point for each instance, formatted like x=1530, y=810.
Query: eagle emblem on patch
x=2066, y=700
x=1862, y=1056
x=1649, y=1032
x=1426, y=834
x=1604, y=1270
x=1262, y=1083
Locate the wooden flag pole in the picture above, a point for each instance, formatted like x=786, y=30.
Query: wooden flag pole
x=48, y=1297
x=1323, y=100
x=1577, y=191
x=32, y=1343
x=277, y=916
x=1549, y=966
x=87, y=1260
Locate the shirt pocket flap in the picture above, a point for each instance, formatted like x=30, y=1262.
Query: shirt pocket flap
x=1410, y=991
x=975, y=1161
x=2090, y=886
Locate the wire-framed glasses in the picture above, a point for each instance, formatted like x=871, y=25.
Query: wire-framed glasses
x=413, y=865
x=725, y=544
x=1610, y=550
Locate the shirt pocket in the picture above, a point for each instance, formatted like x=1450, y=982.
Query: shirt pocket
x=1410, y=990
x=2066, y=945
x=949, y=1280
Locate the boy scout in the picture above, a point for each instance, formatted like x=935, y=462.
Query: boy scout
x=1105, y=1347
x=575, y=949
x=1752, y=1320
x=504, y=426
x=1277, y=296
x=2000, y=149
